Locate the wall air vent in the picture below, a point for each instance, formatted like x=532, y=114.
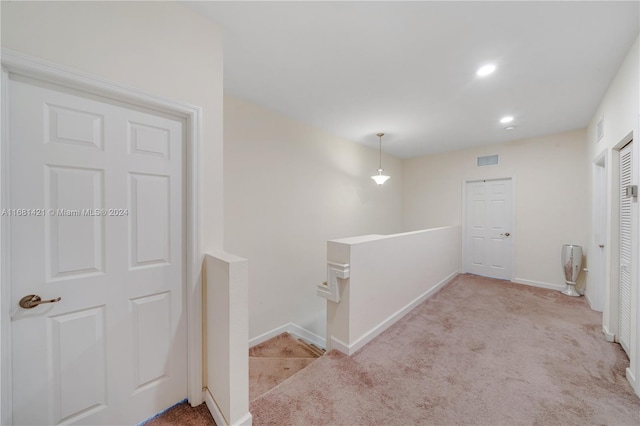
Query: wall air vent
x=487, y=160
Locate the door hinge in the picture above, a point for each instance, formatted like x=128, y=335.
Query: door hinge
x=631, y=191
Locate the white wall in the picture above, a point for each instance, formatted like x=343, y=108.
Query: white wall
x=620, y=109
x=289, y=188
x=550, y=193
x=159, y=47
x=389, y=276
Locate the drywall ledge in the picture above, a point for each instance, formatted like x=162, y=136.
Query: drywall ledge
x=226, y=324
x=389, y=276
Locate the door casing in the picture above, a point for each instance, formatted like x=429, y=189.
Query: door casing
x=610, y=314
x=610, y=317
x=19, y=64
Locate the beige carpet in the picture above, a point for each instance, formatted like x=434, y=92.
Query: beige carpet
x=274, y=361
x=184, y=415
x=482, y=352
x=270, y=363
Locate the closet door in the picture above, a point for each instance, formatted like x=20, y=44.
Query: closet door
x=624, y=317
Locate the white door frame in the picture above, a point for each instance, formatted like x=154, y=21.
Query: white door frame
x=463, y=221
x=19, y=64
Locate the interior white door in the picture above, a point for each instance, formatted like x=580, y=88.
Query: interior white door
x=626, y=229
x=596, y=276
x=96, y=196
x=488, y=228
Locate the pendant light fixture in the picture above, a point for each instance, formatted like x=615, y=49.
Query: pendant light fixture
x=380, y=178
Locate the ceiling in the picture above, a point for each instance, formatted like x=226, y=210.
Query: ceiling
x=408, y=68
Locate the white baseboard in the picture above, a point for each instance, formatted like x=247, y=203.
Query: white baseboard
x=303, y=333
x=268, y=335
x=632, y=380
x=220, y=420
x=608, y=336
x=341, y=346
x=246, y=420
x=213, y=408
x=375, y=332
x=540, y=284
x=588, y=299
x=293, y=329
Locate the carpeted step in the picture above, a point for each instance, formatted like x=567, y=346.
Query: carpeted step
x=282, y=346
x=274, y=361
x=266, y=373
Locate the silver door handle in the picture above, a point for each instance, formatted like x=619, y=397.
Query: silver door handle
x=33, y=300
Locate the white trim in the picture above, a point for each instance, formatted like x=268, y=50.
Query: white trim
x=608, y=336
x=293, y=329
x=613, y=235
x=330, y=289
x=463, y=228
x=215, y=411
x=303, y=333
x=341, y=346
x=38, y=69
x=194, y=260
x=539, y=284
x=268, y=335
x=17, y=63
x=245, y=420
x=632, y=381
x=586, y=297
x=636, y=274
x=392, y=319
x=6, y=392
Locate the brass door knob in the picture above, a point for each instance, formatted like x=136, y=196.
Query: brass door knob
x=33, y=300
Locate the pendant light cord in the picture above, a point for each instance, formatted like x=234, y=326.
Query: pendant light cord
x=380, y=135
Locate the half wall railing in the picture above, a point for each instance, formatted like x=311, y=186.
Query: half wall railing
x=374, y=280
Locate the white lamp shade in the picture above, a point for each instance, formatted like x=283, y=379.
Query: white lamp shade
x=380, y=179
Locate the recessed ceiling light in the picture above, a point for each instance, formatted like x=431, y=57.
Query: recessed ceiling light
x=510, y=128
x=485, y=70
x=507, y=119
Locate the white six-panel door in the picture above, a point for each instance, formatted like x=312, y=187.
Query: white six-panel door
x=488, y=228
x=96, y=196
